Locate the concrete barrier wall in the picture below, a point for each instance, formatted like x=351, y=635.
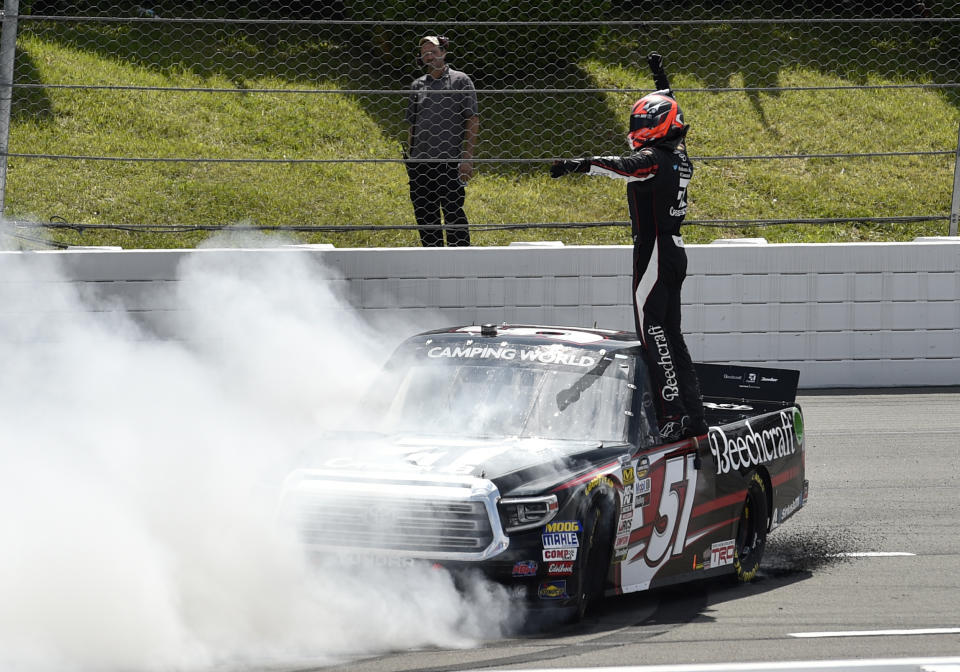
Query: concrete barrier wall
x=846, y=315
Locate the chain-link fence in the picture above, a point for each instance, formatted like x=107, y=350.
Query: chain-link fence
x=152, y=124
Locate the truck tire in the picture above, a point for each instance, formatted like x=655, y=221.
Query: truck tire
x=594, y=561
x=751, y=531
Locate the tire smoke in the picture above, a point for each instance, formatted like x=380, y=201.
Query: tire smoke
x=138, y=476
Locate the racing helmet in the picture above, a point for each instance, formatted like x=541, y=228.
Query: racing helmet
x=654, y=117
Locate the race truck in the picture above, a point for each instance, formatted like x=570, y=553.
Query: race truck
x=532, y=454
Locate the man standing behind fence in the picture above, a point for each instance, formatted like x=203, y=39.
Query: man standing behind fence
x=442, y=114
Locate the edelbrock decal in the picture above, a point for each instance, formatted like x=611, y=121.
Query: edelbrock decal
x=753, y=447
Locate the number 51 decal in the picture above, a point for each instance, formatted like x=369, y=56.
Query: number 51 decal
x=673, y=512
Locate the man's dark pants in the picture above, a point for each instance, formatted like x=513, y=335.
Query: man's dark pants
x=436, y=188
x=657, y=316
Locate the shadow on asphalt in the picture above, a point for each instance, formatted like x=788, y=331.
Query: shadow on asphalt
x=790, y=557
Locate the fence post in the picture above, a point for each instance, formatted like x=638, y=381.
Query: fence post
x=8, y=52
x=955, y=205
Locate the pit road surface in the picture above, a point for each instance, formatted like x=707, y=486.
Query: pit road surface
x=876, y=549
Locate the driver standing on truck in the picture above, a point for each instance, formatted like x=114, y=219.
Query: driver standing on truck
x=657, y=172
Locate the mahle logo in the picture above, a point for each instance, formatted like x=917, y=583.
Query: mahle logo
x=798, y=426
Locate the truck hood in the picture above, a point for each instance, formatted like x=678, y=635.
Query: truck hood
x=423, y=455
x=424, y=496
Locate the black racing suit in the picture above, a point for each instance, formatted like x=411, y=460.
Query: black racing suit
x=657, y=177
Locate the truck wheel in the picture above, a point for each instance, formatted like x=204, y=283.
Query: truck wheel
x=751, y=531
x=594, y=560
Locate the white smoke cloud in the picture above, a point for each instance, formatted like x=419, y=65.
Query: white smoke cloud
x=136, y=477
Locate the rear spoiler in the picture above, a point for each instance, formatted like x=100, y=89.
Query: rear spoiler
x=753, y=383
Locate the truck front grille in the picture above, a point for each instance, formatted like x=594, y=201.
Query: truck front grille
x=448, y=520
x=396, y=524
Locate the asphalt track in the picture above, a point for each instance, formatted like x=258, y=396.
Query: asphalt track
x=869, y=569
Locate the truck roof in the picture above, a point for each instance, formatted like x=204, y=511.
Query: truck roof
x=529, y=334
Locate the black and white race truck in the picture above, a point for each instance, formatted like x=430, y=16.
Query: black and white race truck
x=532, y=454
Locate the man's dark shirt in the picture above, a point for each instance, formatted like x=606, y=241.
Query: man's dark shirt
x=438, y=119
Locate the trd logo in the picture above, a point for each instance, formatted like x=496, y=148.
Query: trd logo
x=722, y=553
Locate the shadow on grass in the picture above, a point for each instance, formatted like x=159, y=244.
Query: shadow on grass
x=28, y=102
x=858, y=53
x=531, y=127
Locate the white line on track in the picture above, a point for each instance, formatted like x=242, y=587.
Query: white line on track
x=874, y=633
x=864, y=665
x=873, y=554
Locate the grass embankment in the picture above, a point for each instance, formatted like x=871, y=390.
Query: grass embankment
x=303, y=126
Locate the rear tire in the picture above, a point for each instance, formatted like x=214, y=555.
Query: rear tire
x=751, y=531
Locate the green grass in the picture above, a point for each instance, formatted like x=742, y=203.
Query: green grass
x=303, y=127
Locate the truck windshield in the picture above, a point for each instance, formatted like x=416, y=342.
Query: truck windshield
x=511, y=399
